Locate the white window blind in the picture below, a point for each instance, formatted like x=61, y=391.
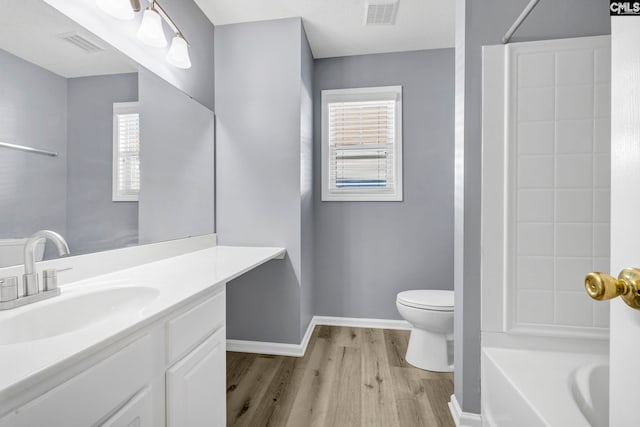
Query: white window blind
x=362, y=144
x=361, y=138
x=126, y=152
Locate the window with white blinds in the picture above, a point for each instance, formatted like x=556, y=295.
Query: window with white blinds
x=126, y=151
x=362, y=144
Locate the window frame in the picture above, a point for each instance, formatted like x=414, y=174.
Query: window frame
x=118, y=109
x=379, y=93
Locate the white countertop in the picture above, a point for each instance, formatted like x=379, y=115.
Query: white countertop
x=178, y=280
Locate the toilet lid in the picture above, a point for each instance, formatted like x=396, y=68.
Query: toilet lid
x=427, y=299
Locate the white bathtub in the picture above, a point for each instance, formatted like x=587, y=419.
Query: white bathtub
x=542, y=388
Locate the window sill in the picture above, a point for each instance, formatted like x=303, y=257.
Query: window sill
x=362, y=198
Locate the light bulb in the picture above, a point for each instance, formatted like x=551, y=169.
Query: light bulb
x=151, y=32
x=178, y=55
x=119, y=9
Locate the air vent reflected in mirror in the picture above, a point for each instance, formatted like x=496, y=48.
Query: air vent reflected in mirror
x=81, y=42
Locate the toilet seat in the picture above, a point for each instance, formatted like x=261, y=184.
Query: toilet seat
x=436, y=300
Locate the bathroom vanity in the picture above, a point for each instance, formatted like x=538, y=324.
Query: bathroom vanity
x=141, y=346
x=136, y=336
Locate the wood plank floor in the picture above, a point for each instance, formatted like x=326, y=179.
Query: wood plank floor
x=348, y=377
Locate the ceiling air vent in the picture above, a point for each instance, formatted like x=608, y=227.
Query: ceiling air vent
x=81, y=42
x=381, y=12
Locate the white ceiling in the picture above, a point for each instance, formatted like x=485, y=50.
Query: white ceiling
x=336, y=27
x=29, y=29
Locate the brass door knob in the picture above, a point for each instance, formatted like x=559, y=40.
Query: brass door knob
x=601, y=286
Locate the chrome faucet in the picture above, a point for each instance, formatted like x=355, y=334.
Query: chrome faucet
x=30, y=278
x=9, y=295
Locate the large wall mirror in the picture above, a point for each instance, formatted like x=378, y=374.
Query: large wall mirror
x=92, y=145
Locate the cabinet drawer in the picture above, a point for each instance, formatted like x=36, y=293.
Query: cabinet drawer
x=85, y=399
x=135, y=413
x=190, y=328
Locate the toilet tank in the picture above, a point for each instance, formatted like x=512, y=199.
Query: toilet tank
x=12, y=251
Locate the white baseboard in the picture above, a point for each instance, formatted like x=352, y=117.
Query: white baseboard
x=274, y=348
x=356, y=322
x=260, y=347
x=463, y=419
x=298, y=350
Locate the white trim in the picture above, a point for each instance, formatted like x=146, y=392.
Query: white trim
x=363, y=94
x=463, y=419
x=260, y=347
x=494, y=183
x=357, y=322
x=274, y=348
x=298, y=350
x=563, y=331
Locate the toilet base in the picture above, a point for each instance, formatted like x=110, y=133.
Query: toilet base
x=429, y=351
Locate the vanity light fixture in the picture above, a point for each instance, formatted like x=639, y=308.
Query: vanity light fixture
x=151, y=31
x=178, y=55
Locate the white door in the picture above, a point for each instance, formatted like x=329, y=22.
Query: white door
x=625, y=216
x=196, y=392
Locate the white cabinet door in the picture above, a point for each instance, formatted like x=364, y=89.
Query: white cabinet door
x=135, y=413
x=196, y=390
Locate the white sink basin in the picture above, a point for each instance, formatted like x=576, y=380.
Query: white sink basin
x=62, y=314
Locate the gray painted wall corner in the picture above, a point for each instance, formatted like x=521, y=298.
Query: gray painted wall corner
x=258, y=134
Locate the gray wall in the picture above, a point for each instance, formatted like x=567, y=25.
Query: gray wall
x=258, y=141
x=484, y=23
x=177, y=163
x=367, y=252
x=33, y=113
x=94, y=221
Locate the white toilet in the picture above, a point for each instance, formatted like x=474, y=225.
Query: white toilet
x=430, y=313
